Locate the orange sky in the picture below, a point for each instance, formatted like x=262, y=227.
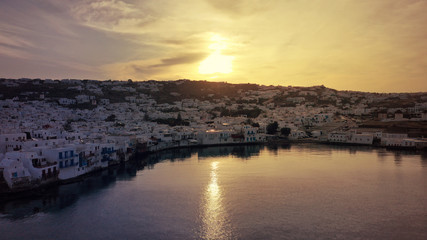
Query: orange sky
x=375, y=45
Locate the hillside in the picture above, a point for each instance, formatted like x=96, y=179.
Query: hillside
x=172, y=91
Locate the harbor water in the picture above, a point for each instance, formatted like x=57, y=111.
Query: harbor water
x=302, y=191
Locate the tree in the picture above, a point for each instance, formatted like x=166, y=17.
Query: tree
x=248, y=121
x=272, y=128
x=119, y=124
x=285, y=131
x=111, y=118
x=147, y=117
x=67, y=126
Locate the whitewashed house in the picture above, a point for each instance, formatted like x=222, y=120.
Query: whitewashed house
x=393, y=139
x=67, y=101
x=339, y=137
x=15, y=174
x=83, y=98
x=67, y=160
x=363, y=139
x=40, y=169
x=7, y=139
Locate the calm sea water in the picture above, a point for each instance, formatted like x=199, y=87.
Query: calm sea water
x=297, y=192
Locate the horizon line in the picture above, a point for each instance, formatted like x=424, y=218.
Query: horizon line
x=209, y=81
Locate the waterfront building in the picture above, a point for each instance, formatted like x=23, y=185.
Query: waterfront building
x=251, y=134
x=215, y=137
x=67, y=159
x=339, y=137
x=40, y=169
x=297, y=134
x=14, y=173
x=361, y=138
x=108, y=154
x=393, y=139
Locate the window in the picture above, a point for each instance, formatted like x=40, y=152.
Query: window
x=71, y=153
x=61, y=164
x=66, y=154
x=15, y=174
x=60, y=155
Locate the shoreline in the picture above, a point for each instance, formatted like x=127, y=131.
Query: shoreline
x=7, y=194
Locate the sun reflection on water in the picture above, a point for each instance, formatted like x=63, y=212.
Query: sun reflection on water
x=215, y=225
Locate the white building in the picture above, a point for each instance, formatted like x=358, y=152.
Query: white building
x=67, y=160
x=40, y=169
x=393, y=139
x=67, y=101
x=339, y=137
x=15, y=174
x=83, y=98
x=214, y=137
x=10, y=140
x=364, y=139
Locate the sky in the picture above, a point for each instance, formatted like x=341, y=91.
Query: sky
x=362, y=45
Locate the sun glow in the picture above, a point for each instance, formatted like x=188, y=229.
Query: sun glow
x=216, y=62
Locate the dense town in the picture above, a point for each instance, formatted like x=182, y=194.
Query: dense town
x=59, y=130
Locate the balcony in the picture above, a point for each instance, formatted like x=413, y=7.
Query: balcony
x=105, y=158
x=47, y=164
x=106, y=151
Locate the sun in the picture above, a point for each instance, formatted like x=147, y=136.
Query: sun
x=216, y=62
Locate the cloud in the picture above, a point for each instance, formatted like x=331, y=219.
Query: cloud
x=8, y=37
x=182, y=59
x=9, y=51
x=241, y=7
x=160, y=69
x=112, y=15
x=137, y=70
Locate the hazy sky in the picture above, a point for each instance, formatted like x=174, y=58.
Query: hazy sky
x=368, y=45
